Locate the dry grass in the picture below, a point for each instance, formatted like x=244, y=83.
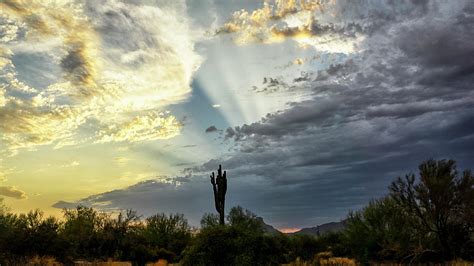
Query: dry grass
x=50, y=261
x=337, y=261
x=324, y=259
x=161, y=262
x=450, y=263
x=103, y=263
x=43, y=261
x=320, y=259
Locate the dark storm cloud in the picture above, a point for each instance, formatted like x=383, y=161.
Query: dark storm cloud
x=211, y=129
x=77, y=65
x=65, y=205
x=406, y=97
x=151, y=196
x=189, y=146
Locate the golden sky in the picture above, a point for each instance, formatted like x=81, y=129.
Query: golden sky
x=312, y=106
x=86, y=84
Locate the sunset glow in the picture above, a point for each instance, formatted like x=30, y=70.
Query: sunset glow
x=312, y=106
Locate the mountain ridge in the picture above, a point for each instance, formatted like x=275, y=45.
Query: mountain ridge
x=321, y=229
x=312, y=231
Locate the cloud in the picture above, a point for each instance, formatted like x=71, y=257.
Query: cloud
x=404, y=97
x=12, y=192
x=147, y=127
x=25, y=125
x=122, y=160
x=3, y=101
x=64, y=205
x=72, y=164
x=50, y=20
x=305, y=22
x=69, y=76
x=151, y=196
x=401, y=100
x=211, y=129
x=189, y=146
x=4, y=171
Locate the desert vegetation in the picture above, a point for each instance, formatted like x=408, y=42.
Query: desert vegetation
x=423, y=218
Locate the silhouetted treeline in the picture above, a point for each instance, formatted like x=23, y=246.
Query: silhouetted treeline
x=87, y=234
x=422, y=219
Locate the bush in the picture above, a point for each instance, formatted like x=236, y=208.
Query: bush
x=241, y=242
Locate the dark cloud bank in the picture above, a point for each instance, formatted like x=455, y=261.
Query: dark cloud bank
x=406, y=98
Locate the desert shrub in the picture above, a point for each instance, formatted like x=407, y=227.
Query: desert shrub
x=169, y=233
x=381, y=231
x=440, y=201
x=241, y=242
x=325, y=258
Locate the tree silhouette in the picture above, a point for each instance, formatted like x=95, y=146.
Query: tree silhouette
x=441, y=200
x=219, y=185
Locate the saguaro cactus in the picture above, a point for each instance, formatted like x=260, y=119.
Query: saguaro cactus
x=219, y=185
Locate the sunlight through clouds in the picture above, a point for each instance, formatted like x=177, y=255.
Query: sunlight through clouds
x=147, y=127
x=278, y=21
x=131, y=103
x=108, y=88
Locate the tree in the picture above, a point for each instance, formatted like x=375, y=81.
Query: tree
x=81, y=232
x=240, y=242
x=24, y=236
x=442, y=201
x=209, y=220
x=303, y=247
x=42, y=237
x=380, y=231
x=170, y=233
x=114, y=235
x=245, y=219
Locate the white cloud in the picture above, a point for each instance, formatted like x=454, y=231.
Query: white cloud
x=278, y=21
x=71, y=164
x=119, y=65
x=151, y=126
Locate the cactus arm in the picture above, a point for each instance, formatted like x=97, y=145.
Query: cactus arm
x=224, y=184
x=214, y=188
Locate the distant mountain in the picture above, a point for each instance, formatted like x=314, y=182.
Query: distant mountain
x=312, y=231
x=268, y=228
x=323, y=229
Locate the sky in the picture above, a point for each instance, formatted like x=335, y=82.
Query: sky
x=313, y=107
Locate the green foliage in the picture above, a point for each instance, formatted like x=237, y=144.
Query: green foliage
x=303, y=247
x=82, y=232
x=170, y=234
x=380, y=231
x=209, y=220
x=442, y=203
x=245, y=220
x=333, y=242
x=90, y=235
x=426, y=219
x=241, y=242
x=27, y=235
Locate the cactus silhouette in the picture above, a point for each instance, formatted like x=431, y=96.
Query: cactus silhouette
x=219, y=185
